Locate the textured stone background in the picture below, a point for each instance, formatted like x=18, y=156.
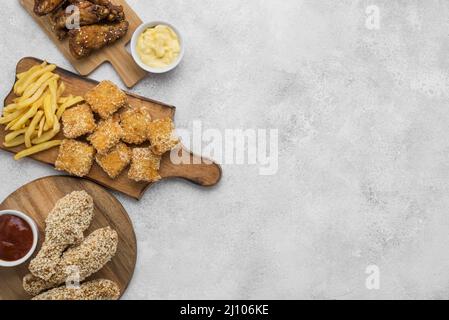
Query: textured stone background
x=364, y=148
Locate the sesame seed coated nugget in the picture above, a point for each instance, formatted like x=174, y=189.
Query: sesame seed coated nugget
x=107, y=135
x=89, y=257
x=78, y=121
x=135, y=124
x=93, y=290
x=64, y=226
x=106, y=98
x=115, y=161
x=162, y=137
x=144, y=166
x=75, y=157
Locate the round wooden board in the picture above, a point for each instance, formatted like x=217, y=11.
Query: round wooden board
x=37, y=198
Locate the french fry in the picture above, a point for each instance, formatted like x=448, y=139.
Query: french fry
x=24, y=75
x=36, y=149
x=17, y=141
x=27, y=102
x=34, y=115
x=69, y=103
x=61, y=89
x=29, y=71
x=35, y=86
x=9, y=125
x=48, y=112
x=56, y=124
x=41, y=127
x=32, y=77
x=47, y=135
x=10, y=117
x=32, y=128
x=54, y=95
x=23, y=119
x=10, y=108
x=12, y=135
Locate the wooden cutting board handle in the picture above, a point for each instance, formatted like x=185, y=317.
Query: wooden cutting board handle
x=126, y=67
x=199, y=170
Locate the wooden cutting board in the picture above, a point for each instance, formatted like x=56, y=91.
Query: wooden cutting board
x=116, y=53
x=206, y=173
x=37, y=198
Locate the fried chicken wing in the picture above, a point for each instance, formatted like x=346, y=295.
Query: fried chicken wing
x=116, y=11
x=44, y=7
x=89, y=257
x=65, y=225
x=85, y=40
x=89, y=13
x=93, y=290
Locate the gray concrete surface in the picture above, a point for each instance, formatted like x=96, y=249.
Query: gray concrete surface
x=363, y=125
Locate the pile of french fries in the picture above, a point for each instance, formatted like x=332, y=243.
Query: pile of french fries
x=34, y=116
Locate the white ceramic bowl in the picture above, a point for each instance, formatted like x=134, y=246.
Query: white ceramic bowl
x=136, y=56
x=35, y=238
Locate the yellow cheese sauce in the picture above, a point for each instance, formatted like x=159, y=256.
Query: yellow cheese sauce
x=158, y=47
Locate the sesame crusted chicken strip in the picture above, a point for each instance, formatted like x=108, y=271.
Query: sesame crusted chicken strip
x=86, y=39
x=93, y=290
x=65, y=225
x=88, y=257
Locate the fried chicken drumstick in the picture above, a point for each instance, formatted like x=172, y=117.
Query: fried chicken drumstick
x=89, y=257
x=65, y=225
x=85, y=40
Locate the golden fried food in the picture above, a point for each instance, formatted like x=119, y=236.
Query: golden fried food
x=65, y=224
x=135, y=124
x=78, y=121
x=107, y=135
x=89, y=257
x=93, y=290
x=33, y=115
x=44, y=7
x=75, y=157
x=89, y=13
x=106, y=98
x=86, y=39
x=114, y=162
x=144, y=166
x=162, y=136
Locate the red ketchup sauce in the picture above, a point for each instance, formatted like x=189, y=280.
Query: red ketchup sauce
x=16, y=237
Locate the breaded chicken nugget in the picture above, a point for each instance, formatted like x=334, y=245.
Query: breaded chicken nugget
x=115, y=161
x=89, y=257
x=106, y=98
x=135, y=124
x=78, y=121
x=64, y=226
x=162, y=136
x=93, y=290
x=75, y=157
x=144, y=166
x=107, y=135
